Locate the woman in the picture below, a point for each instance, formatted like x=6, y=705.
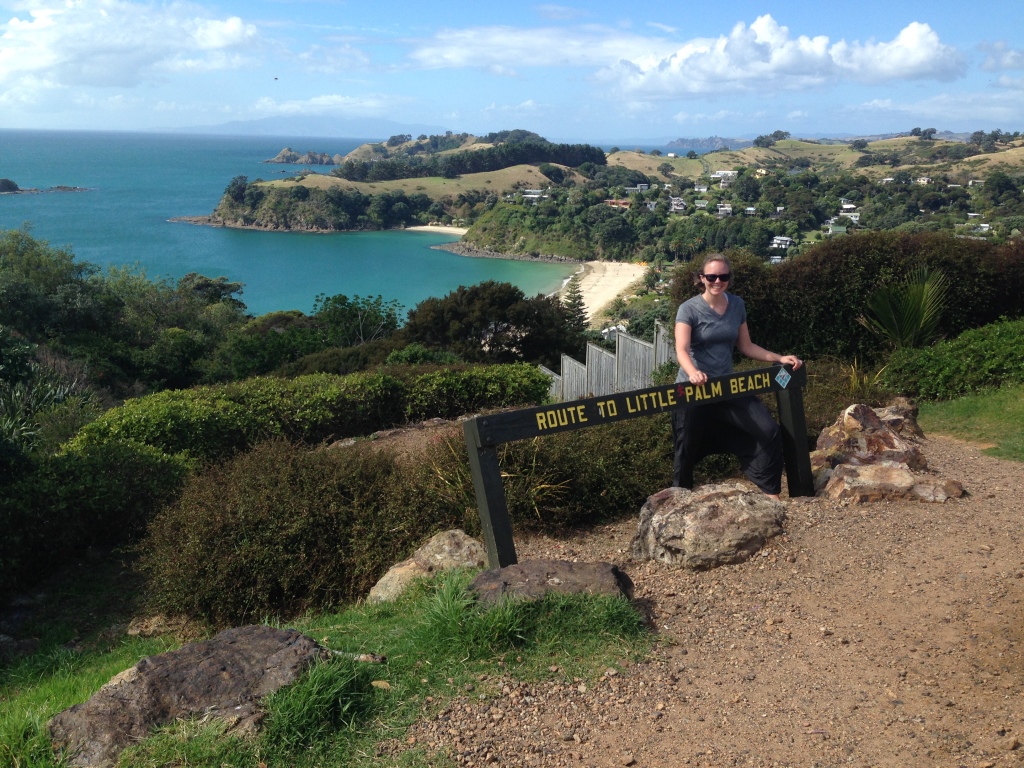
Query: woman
x=708, y=326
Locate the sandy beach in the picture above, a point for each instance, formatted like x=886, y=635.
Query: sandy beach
x=602, y=281
x=438, y=228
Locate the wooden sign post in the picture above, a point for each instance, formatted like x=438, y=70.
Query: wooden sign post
x=484, y=433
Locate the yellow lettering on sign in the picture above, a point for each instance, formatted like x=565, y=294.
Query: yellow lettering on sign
x=542, y=423
x=716, y=389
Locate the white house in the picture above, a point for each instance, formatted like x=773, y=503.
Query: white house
x=923, y=180
x=700, y=204
x=725, y=209
x=781, y=241
x=676, y=205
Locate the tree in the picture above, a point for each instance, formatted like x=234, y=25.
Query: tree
x=691, y=155
x=492, y=322
x=345, y=322
x=764, y=142
x=666, y=169
x=859, y=144
x=928, y=134
x=780, y=135
x=655, y=152
x=6, y=185
x=236, y=188
x=575, y=306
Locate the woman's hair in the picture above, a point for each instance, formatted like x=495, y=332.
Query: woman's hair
x=707, y=260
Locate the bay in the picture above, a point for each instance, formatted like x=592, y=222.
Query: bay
x=135, y=182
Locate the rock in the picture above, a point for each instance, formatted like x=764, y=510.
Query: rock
x=901, y=417
x=450, y=549
x=861, y=437
x=224, y=677
x=887, y=482
x=535, y=578
x=707, y=527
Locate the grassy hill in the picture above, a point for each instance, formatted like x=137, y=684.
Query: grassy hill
x=930, y=158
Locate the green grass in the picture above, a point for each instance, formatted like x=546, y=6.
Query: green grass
x=439, y=642
x=995, y=417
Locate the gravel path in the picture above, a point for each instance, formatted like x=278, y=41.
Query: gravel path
x=869, y=635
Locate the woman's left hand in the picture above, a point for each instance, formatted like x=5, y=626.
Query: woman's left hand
x=793, y=360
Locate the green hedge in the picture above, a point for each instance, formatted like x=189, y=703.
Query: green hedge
x=87, y=496
x=983, y=357
x=209, y=423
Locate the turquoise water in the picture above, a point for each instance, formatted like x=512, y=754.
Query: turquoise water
x=136, y=182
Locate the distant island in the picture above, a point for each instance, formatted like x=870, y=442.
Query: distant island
x=711, y=142
x=8, y=187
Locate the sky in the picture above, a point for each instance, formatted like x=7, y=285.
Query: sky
x=575, y=71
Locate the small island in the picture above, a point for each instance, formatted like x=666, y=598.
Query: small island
x=8, y=187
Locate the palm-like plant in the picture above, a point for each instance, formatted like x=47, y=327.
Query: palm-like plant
x=907, y=314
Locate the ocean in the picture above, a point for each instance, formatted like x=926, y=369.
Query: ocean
x=135, y=182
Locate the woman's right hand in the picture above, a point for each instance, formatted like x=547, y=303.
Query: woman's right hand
x=698, y=377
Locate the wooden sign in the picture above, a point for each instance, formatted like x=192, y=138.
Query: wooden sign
x=483, y=433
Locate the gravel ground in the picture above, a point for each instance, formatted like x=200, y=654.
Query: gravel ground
x=883, y=634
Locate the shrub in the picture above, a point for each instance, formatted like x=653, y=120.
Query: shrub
x=88, y=496
x=455, y=392
x=284, y=529
x=983, y=357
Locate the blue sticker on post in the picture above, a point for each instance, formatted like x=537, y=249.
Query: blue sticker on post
x=783, y=377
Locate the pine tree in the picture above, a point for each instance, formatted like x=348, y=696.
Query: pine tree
x=575, y=306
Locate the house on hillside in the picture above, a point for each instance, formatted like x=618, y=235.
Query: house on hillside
x=700, y=205
x=676, y=205
x=637, y=189
x=724, y=209
x=617, y=203
x=781, y=241
x=701, y=189
x=923, y=180
x=750, y=211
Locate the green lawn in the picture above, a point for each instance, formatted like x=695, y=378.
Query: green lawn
x=995, y=418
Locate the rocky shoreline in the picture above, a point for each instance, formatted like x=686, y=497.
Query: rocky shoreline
x=465, y=249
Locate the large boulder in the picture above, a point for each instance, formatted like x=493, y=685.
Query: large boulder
x=535, y=578
x=224, y=677
x=707, y=527
x=888, y=482
x=449, y=549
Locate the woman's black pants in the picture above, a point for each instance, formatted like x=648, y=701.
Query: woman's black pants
x=743, y=427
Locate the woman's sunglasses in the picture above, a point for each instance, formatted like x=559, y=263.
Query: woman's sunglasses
x=713, y=278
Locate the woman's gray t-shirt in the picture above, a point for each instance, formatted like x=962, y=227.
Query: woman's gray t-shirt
x=712, y=336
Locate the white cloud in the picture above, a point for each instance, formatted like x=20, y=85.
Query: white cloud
x=797, y=114
x=116, y=42
x=1001, y=56
x=352, y=106
x=685, y=118
x=765, y=55
x=916, y=53
x=751, y=58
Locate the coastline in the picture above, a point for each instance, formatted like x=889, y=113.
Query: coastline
x=601, y=282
